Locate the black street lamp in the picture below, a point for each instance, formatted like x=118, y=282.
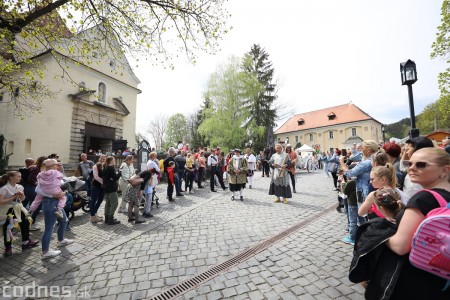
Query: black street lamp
x=383, y=129
x=409, y=76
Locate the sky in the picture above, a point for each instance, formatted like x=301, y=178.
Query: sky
x=324, y=53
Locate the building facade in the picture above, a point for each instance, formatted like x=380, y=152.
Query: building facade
x=95, y=109
x=329, y=128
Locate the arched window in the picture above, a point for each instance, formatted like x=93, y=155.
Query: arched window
x=10, y=147
x=27, y=146
x=102, y=92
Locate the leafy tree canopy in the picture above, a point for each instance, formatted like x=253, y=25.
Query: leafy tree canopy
x=136, y=27
x=441, y=49
x=177, y=130
x=228, y=89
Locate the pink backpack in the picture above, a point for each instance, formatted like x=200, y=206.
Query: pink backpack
x=430, y=249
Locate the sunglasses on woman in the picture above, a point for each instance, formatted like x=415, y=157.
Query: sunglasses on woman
x=419, y=164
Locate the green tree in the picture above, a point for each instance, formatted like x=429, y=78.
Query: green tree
x=435, y=116
x=261, y=105
x=398, y=129
x=228, y=89
x=197, y=138
x=138, y=27
x=441, y=49
x=177, y=130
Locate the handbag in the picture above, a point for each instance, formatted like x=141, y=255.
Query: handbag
x=135, y=180
x=332, y=167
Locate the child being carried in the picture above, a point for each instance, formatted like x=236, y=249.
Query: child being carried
x=49, y=185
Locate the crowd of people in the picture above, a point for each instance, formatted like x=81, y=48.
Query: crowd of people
x=384, y=192
x=382, y=188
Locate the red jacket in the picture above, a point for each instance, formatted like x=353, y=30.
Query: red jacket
x=170, y=175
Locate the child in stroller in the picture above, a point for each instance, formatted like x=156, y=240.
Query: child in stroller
x=76, y=197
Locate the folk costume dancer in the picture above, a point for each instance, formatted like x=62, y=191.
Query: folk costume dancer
x=237, y=174
x=279, y=184
x=251, y=162
x=294, y=158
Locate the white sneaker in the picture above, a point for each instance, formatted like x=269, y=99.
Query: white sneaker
x=51, y=253
x=123, y=210
x=64, y=242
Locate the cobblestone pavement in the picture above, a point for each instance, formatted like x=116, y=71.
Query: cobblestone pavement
x=197, y=232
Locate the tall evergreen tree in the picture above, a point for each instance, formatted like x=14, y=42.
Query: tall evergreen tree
x=262, y=109
x=197, y=138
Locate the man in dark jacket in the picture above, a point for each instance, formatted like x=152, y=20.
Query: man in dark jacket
x=171, y=157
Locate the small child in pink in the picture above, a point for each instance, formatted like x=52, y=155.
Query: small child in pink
x=49, y=184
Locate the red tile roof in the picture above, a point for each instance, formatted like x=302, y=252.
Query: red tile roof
x=345, y=113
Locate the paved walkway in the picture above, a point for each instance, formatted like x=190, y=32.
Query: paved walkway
x=197, y=232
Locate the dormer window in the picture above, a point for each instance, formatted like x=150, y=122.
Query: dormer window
x=331, y=116
x=300, y=122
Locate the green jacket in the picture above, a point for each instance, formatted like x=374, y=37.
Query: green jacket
x=240, y=178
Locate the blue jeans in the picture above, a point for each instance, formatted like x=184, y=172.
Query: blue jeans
x=361, y=198
x=49, y=206
x=178, y=181
x=87, y=186
x=352, y=220
x=345, y=202
x=96, y=199
x=325, y=169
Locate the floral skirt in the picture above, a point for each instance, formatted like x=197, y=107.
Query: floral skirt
x=132, y=195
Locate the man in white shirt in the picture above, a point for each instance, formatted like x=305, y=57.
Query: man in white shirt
x=213, y=162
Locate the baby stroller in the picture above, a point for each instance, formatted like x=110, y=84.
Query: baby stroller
x=73, y=186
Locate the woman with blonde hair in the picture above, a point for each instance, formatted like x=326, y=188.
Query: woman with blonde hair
x=429, y=167
x=362, y=173
x=380, y=177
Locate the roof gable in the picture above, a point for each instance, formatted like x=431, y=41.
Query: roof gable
x=330, y=116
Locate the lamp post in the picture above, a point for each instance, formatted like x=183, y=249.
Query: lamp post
x=409, y=76
x=383, y=129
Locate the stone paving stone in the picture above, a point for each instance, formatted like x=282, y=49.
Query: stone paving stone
x=124, y=296
x=242, y=288
x=272, y=295
x=231, y=282
x=204, y=289
x=215, y=295
x=217, y=286
x=229, y=292
x=138, y=295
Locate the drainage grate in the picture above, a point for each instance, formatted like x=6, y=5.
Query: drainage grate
x=191, y=283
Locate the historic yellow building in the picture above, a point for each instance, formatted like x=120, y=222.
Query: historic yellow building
x=95, y=109
x=333, y=127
